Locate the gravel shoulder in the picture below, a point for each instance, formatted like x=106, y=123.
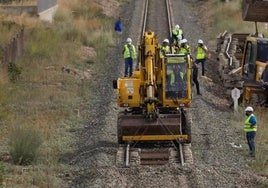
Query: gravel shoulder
x=216, y=163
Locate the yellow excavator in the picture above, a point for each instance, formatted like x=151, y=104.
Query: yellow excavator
x=255, y=53
x=154, y=101
x=254, y=60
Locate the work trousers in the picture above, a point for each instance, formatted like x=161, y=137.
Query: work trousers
x=202, y=61
x=128, y=67
x=251, y=141
x=195, y=79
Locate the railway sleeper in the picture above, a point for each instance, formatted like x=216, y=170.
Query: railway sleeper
x=156, y=156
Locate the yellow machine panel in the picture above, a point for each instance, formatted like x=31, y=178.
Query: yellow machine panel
x=128, y=92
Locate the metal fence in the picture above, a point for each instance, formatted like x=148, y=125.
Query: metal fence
x=14, y=49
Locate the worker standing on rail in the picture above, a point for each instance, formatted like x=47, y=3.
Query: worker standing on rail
x=250, y=127
x=177, y=35
x=165, y=48
x=129, y=54
x=201, y=51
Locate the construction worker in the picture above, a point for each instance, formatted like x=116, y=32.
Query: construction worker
x=129, y=54
x=177, y=35
x=175, y=49
x=179, y=80
x=184, y=47
x=250, y=127
x=118, y=26
x=201, y=51
x=165, y=49
x=195, y=78
x=177, y=75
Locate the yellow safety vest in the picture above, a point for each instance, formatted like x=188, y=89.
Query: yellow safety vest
x=184, y=50
x=177, y=32
x=248, y=127
x=164, y=50
x=201, y=53
x=172, y=77
x=127, y=53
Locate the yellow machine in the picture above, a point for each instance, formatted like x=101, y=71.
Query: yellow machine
x=155, y=97
x=255, y=58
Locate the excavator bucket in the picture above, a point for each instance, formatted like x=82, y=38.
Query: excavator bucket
x=255, y=10
x=166, y=127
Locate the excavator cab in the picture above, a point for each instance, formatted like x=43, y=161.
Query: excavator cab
x=177, y=76
x=255, y=58
x=254, y=61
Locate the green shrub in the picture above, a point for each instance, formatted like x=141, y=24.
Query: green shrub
x=14, y=71
x=24, y=144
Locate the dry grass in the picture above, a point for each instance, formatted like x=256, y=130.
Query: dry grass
x=228, y=16
x=260, y=165
x=45, y=97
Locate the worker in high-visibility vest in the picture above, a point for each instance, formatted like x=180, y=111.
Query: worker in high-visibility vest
x=250, y=127
x=129, y=54
x=184, y=47
x=176, y=77
x=177, y=35
x=200, y=57
x=165, y=48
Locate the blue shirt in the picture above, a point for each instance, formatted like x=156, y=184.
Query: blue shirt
x=253, y=120
x=118, y=26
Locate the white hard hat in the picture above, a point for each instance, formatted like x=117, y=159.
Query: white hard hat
x=129, y=40
x=200, y=41
x=249, y=109
x=177, y=27
x=166, y=40
x=183, y=40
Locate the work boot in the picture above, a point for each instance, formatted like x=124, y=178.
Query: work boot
x=252, y=153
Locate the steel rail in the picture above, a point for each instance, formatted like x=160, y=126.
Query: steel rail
x=145, y=15
x=170, y=17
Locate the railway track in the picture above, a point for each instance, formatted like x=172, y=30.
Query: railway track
x=157, y=17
